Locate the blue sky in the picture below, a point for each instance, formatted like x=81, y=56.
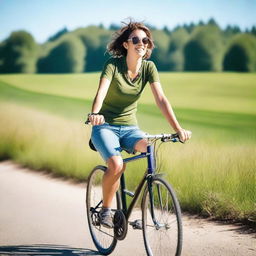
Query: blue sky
x=43, y=18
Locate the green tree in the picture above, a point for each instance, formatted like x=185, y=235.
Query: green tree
x=114, y=27
x=95, y=39
x=241, y=54
x=160, y=53
x=166, y=30
x=204, y=50
x=201, y=23
x=67, y=57
x=178, y=40
x=212, y=22
x=58, y=34
x=18, y=53
x=189, y=27
x=1, y=56
x=253, y=30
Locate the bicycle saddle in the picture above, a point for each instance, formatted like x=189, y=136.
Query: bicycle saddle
x=91, y=145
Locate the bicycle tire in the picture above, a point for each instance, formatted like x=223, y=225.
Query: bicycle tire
x=102, y=237
x=164, y=237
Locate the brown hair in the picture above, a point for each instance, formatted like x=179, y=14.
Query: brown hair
x=116, y=48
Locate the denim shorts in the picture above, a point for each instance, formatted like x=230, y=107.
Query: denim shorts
x=110, y=140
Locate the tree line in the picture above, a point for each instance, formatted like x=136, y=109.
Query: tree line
x=192, y=47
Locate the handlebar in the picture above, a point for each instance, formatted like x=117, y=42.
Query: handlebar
x=166, y=137
x=163, y=137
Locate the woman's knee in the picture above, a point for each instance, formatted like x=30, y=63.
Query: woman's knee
x=141, y=145
x=115, y=165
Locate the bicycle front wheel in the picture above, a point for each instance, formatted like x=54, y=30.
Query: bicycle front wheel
x=161, y=219
x=103, y=238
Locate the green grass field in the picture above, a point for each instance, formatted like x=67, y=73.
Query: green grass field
x=214, y=174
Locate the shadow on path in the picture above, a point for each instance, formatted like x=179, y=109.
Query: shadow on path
x=44, y=249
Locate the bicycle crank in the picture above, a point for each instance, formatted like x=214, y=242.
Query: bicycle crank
x=120, y=225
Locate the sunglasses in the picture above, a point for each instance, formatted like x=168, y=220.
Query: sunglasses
x=136, y=40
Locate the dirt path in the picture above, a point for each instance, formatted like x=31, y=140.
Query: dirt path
x=40, y=215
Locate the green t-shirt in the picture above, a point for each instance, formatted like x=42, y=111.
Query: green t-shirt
x=120, y=104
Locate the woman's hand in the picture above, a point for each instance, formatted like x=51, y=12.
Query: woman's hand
x=96, y=119
x=184, y=135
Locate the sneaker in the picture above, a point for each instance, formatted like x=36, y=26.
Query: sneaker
x=137, y=224
x=106, y=219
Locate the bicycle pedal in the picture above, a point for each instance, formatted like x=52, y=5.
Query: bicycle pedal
x=137, y=224
x=129, y=193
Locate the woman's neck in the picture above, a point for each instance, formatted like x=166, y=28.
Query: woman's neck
x=133, y=64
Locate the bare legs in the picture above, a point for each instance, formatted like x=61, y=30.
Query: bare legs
x=111, y=177
x=116, y=167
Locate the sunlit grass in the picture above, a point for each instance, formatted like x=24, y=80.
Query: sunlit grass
x=210, y=178
x=46, y=142
x=214, y=179
x=214, y=174
x=227, y=92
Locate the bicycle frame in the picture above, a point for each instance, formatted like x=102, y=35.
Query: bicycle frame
x=158, y=199
x=146, y=179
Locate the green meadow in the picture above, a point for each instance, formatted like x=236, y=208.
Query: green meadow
x=214, y=174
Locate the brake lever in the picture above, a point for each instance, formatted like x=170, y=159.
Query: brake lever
x=87, y=122
x=173, y=138
x=177, y=140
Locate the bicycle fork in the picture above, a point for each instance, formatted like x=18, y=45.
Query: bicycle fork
x=152, y=197
x=151, y=174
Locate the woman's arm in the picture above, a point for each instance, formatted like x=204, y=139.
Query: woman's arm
x=98, y=101
x=166, y=108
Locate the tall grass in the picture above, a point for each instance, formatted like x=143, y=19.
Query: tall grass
x=214, y=179
x=214, y=174
x=210, y=177
x=47, y=142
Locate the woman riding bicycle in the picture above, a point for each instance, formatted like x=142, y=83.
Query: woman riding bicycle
x=113, y=115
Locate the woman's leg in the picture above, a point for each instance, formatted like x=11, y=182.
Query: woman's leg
x=141, y=145
x=106, y=140
x=110, y=183
x=133, y=139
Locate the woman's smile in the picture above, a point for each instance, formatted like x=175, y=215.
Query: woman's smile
x=140, y=50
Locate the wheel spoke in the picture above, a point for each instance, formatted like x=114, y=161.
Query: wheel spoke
x=103, y=238
x=100, y=230
x=165, y=236
x=159, y=196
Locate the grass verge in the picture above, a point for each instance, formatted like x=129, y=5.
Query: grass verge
x=211, y=178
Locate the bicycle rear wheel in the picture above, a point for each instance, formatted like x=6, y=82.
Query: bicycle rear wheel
x=161, y=219
x=103, y=238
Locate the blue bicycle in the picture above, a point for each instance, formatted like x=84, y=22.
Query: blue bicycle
x=160, y=223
